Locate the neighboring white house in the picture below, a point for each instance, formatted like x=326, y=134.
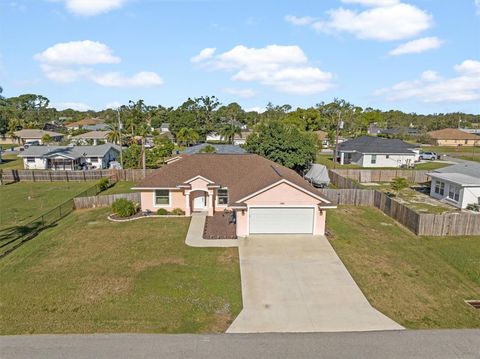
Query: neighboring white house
x=369, y=151
x=32, y=135
x=69, y=158
x=458, y=185
x=164, y=127
x=215, y=137
x=239, y=140
x=92, y=137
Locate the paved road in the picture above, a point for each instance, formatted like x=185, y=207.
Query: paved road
x=299, y=284
x=372, y=345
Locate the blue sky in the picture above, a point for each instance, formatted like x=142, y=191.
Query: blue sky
x=412, y=55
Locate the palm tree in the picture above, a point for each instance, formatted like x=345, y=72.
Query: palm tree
x=143, y=130
x=187, y=136
x=115, y=134
x=228, y=132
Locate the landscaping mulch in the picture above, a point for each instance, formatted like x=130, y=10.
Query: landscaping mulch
x=218, y=227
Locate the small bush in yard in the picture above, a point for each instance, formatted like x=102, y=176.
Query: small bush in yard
x=162, y=212
x=104, y=184
x=124, y=208
x=178, y=212
x=399, y=183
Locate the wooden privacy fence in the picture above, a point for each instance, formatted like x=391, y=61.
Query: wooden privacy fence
x=103, y=201
x=423, y=224
x=372, y=175
x=398, y=211
x=357, y=197
x=133, y=175
x=449, y=224
x=340, y=181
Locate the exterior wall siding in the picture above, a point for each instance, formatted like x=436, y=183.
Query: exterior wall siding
x=383, y=161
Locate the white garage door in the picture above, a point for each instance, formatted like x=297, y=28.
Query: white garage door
x=267, y=220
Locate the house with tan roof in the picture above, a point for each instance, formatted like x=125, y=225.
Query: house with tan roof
x=85, y=122
x=92, y=137
x=453, y=137
x=26, y=136
x=262, y=196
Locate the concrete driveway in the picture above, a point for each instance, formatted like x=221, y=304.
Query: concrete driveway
x=299, y=284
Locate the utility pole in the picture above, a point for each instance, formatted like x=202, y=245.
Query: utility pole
x=335, y=152
x=120, y=136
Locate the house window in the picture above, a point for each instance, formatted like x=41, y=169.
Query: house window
x=454, y=193
x=387, y=156
x=162, y=197
x=222, y=196
x=31, y=159
x=440, y=188
x=373, y=159
x=94, y=160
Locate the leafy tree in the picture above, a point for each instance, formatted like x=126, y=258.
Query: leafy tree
x=284, y=144
x=208, y=149
x=228, y=132
x=132, y=156
x=47, y=138
x=187, y=136
x=115, y=134
x=399, y=183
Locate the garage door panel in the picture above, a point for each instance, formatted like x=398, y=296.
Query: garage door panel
x=270, y=220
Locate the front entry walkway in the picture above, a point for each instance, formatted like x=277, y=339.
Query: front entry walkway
x=299, y=284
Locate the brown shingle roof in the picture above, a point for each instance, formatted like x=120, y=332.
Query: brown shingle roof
x=452, y=134
x=242, y=174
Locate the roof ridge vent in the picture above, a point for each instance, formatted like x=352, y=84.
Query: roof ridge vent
x=276, y=171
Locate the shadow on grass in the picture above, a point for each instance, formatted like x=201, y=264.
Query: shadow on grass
x=13, y=237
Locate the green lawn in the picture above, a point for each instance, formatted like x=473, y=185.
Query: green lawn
x=24, y=201
x=428, y=166
x=327, y=161
x=420, y=282
x=6, y=147
x=90, y=275
x=11, y=162
x=120, y=187
x=463, y=152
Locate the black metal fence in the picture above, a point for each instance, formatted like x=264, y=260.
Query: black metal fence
x=13, y=237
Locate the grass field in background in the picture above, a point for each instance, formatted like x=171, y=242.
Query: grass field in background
x=120, y=187
x=420, y=282
x=90, y=275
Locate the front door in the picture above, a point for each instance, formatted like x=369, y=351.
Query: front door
x=199, y=203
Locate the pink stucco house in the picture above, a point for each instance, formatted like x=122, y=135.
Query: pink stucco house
x=265, y=197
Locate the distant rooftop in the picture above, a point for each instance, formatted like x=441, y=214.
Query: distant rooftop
x=222, y=149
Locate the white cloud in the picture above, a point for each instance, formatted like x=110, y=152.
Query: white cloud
x=477, y=5
x=84, y=52
x=256, y=109
x=113, y=105
x=245, y=93
x=383, y=20
x=78, y=106
x=299, y=21
x=73, y=61
x=431, y=87
x=372, y=2
x=417, y=46
x=92, y=7
x=205, y=54
x=115, y=79
x=285, y=68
